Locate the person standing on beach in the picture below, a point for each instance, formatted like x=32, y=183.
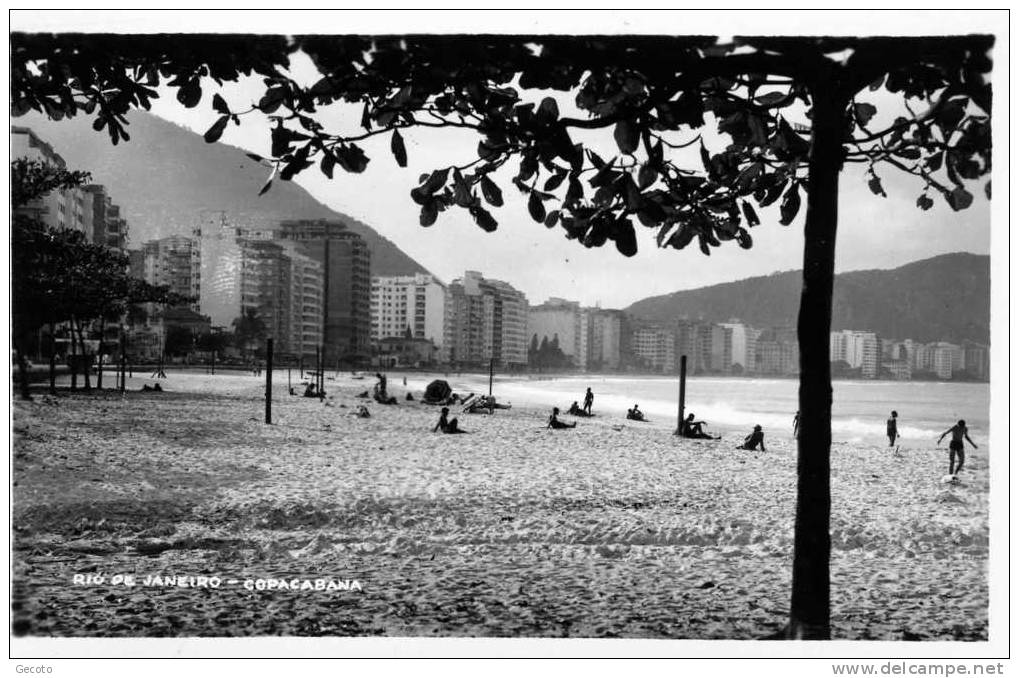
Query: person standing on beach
x=955, y=447
x=796, y=425
x=892, y=428
x=588, y=400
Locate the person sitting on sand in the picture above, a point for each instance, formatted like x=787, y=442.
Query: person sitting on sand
x=574, y=409
x=292, y=391
x=753, y=440
x=695, y=429
x=309, y=391
x=447, y=426
x=955, y=447
x=892, y=429
x=553, y=421
x=361, y=412
x=635, y=414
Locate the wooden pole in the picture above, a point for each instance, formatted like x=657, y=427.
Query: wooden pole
x=289, y=386
x=491, y=373
x=268, y=381
x=300, y=364
x=682, y=394
x=123, y=363
x=214, y=362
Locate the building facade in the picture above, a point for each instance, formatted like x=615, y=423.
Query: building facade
x=568, y=321
x=346, y=271
x=484, y=320
x=414, y=303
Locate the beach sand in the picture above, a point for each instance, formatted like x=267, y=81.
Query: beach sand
x=513, y=530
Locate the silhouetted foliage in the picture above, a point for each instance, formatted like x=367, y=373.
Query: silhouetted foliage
x=656, y=95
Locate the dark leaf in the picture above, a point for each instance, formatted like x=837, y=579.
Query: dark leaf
x=746, y=178
x=255, y=157
x=266, y=187
x=492, y=193
x=987, y=190
x=770, y=98
x=271, y=100
x=750, y=214
x=435, y=181
x=910, y=153
x=551, y=219
x=351, y=158
x=554, y=181
x=790, y=205
x=280, y=140
x=625, y=237
x=548, y=111
x=627, y=136
x=874, y=183
x=398, y=149
x=461, y=191
x=924, y=202
x=536, y=207
x=190, y=94
x=429, y=213
x=773, y=193
x=646, y=176
x=484, y=218
x=703, y=242
x=219, y=105
x=213, y=134
x=863, y=113
x=933, y=162
x=366, y=119
x=744, y=239
x=574, y=193
x=959, y=199
x=651, y=214
x=328, y=163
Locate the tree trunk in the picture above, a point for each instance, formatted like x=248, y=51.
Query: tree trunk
x=74, y=358
x=99, y=369
x=86, y=367
x=53, y=359
x=810, y=607
x=23, y=388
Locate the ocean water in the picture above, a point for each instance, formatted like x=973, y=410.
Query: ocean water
x=859, y=409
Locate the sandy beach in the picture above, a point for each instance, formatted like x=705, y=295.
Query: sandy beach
x=614, y=529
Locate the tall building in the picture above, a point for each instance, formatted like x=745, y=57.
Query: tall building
x=408, y=302
x=346, y=265
x=778, y=351
x=174, y=262
x=743, y=346
x=605, y=339
x=485, y=320
x=861, y=350
x=656, y=346
x=568, y=321
x=62, y=208
x=977, y=360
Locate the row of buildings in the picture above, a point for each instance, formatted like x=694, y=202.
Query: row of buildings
x=309, y=284
x=88, y=208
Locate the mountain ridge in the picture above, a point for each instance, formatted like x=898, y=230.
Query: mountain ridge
x=167, y=179
x=946, y=297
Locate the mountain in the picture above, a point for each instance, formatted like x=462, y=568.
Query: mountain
x=947, y=297
x=167, y=177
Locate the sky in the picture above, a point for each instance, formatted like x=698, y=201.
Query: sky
x=874, y=232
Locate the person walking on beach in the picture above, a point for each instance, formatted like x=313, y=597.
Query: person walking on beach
x=588, y=400
x=553, y=421
x=892, y=428
x=955, y=447
x=753, y=440
x=447, y=425
x=796, y=425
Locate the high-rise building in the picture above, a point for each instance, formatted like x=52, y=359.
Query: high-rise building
x=346, y=264
x=976, y=360
x=62, y=208
x=656, y=346
x=402, y=303
x=174, y=262
x=859, y=349
x=605, y=339
x=778, y=351
x=743, y=346
x=568, y=321
x=485, y=320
